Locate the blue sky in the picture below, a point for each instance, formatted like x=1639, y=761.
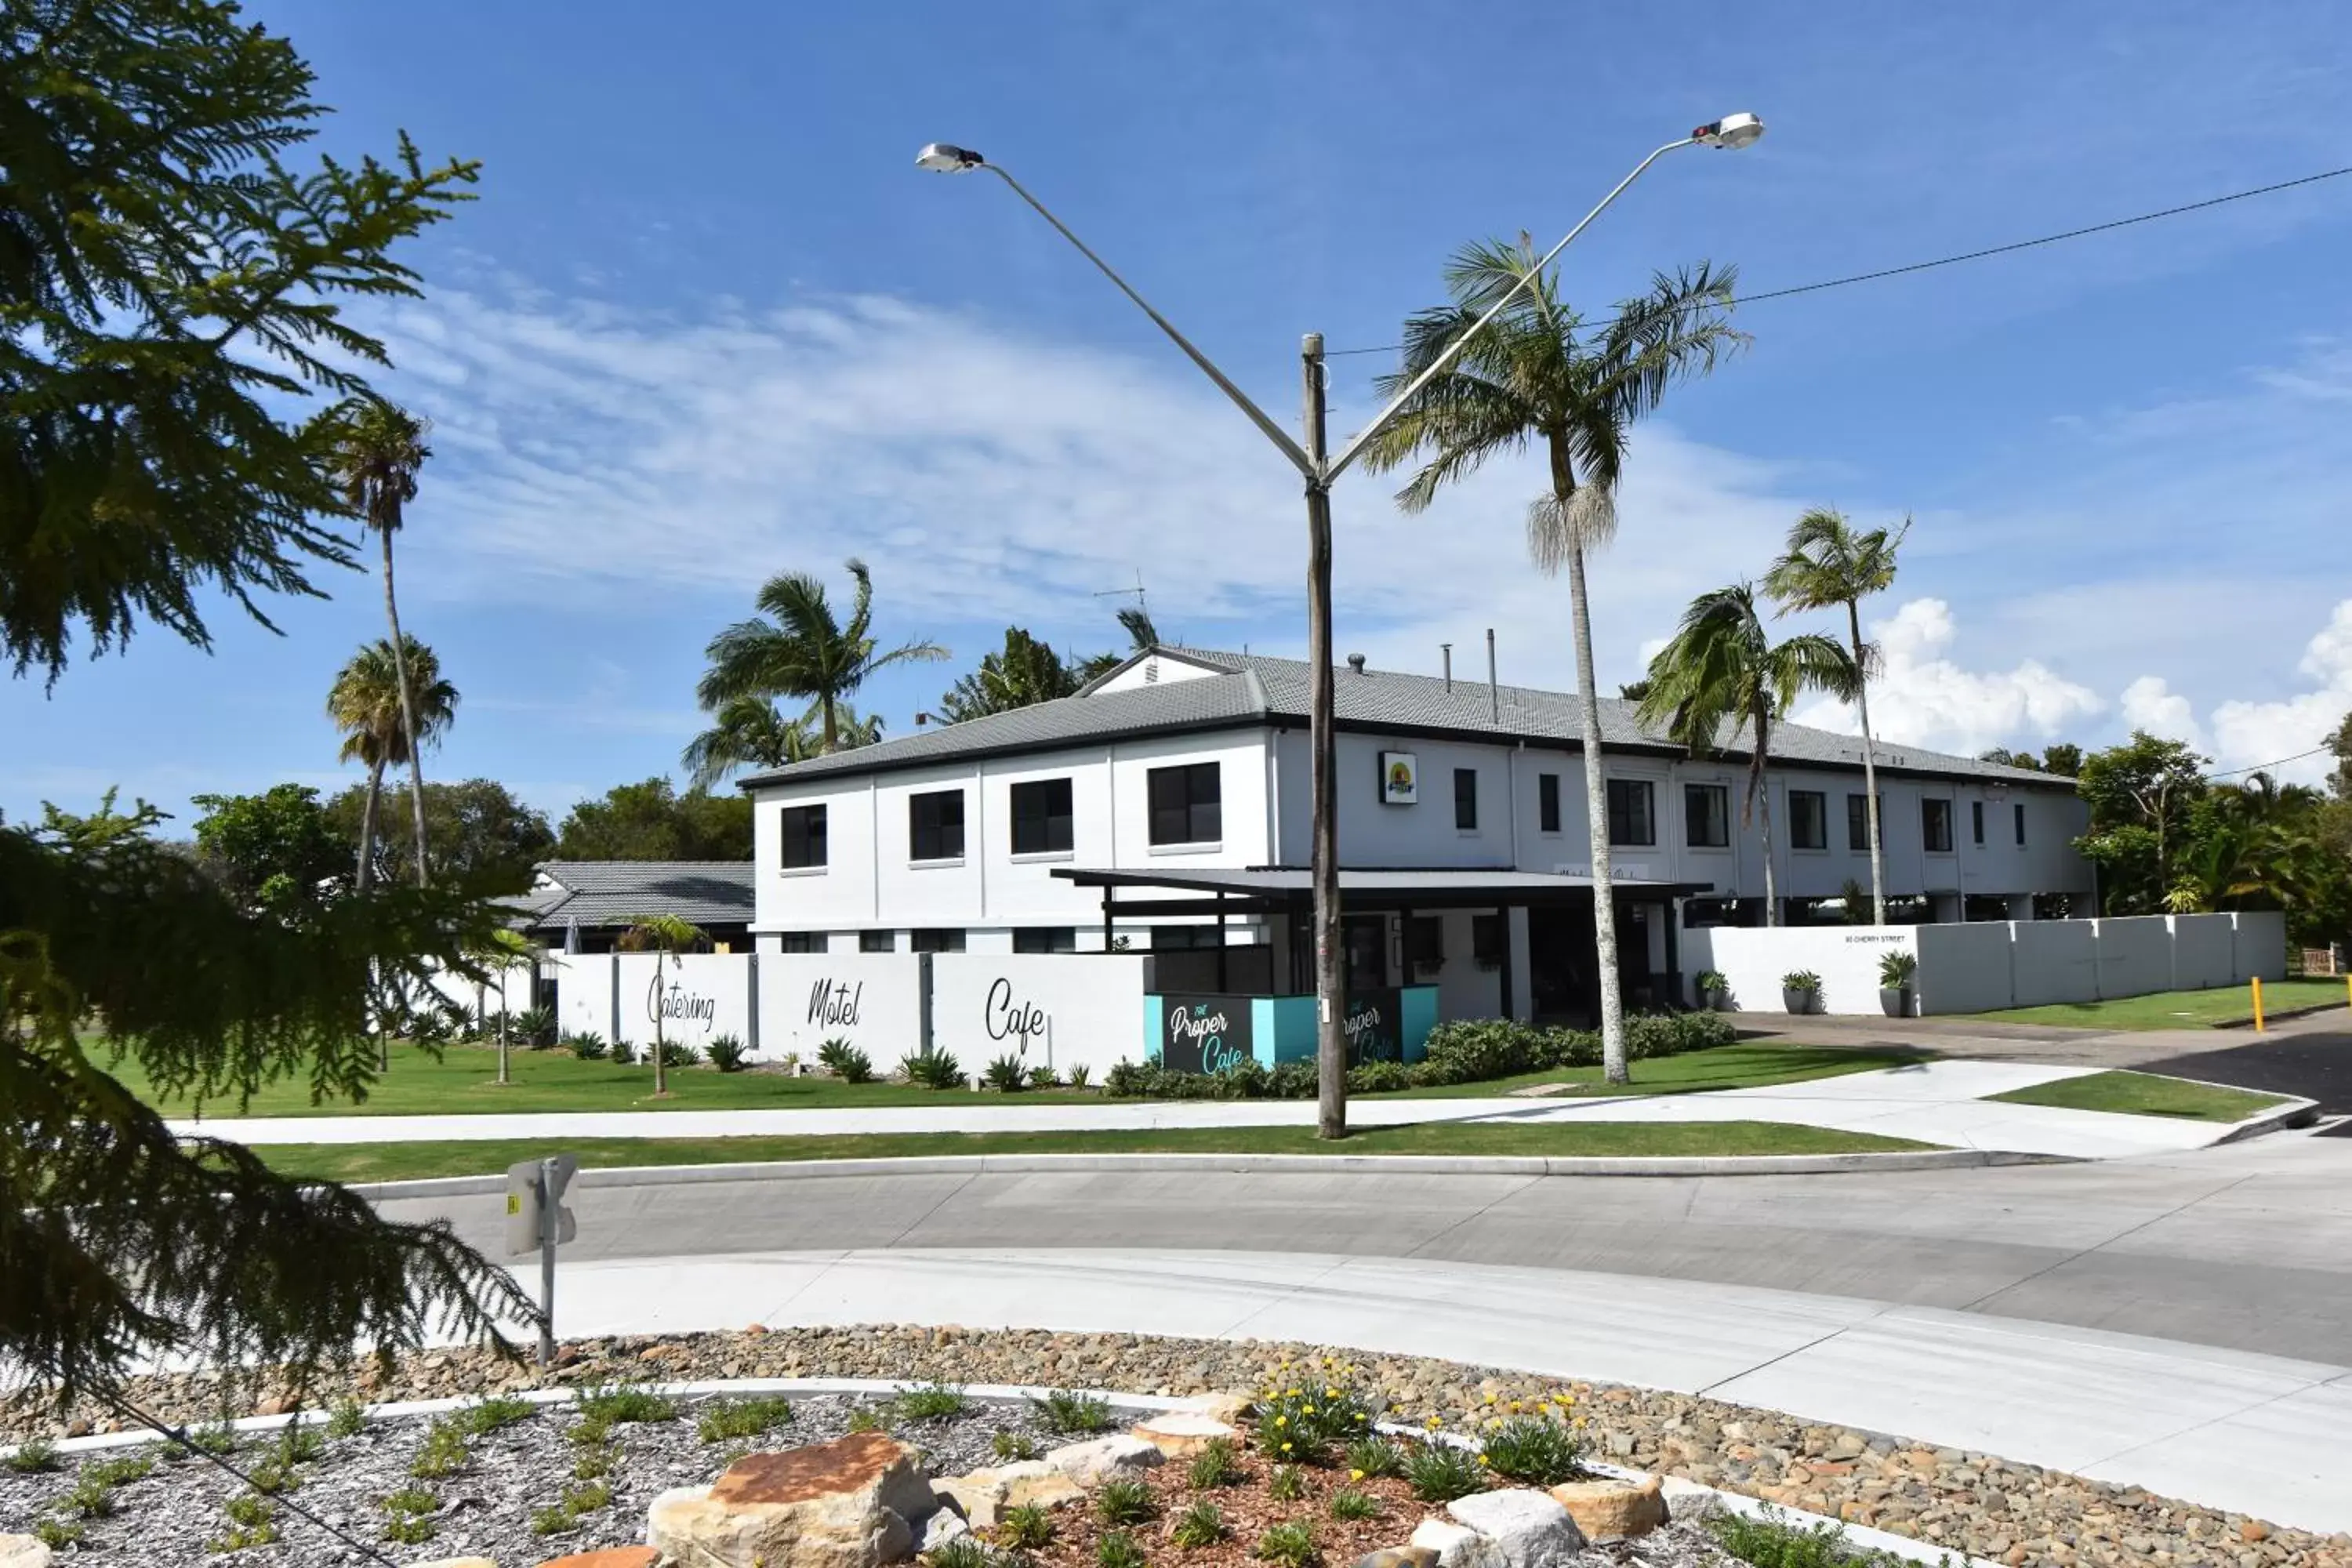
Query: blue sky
x=708, y=323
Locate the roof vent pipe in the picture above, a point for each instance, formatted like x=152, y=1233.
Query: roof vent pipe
x=1494, y=692
x=1356, y=662
x=1445, y=651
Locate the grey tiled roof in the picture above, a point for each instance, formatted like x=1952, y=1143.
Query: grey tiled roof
x=1256, y=688
x=605, y=893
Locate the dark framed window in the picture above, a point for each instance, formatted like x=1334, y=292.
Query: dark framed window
x=1465, y=799
x=804, y=837
x=1706, y=815
x=1425, y=941
x=1487, y=938
x=798, y=942
x=1857, y=821
x=1042, y=817
x=935, y=825
x=938, y=941
x=1548, y=802
x=1935, y=826
x=1809, y=819
x=1185, y=939
x=1632, y=812
x=1045, y=939
x=2020, y=809
x=877, y=942
x=1187, y=804
x=1975, y=822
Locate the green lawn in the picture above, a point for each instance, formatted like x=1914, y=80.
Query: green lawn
x=402, y=1162
x=2177, y=1009
x=2145, y=1094
x=464, y=1081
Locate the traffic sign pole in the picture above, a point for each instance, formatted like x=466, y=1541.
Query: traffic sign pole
x=548, y=1222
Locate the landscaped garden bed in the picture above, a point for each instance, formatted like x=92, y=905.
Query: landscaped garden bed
x=1974, y=1502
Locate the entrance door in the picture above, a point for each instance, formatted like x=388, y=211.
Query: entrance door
x=1366, y=941
x=1560, y=943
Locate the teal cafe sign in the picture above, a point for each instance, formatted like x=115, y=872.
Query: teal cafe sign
x=1205, y=1033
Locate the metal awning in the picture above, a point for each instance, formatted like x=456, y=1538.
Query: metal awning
x=1366, y=887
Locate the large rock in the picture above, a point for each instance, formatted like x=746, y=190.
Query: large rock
x=604, y=1557
x=1098, y=1460
x=944, y=1525
x=1528, y=1529
x=982, y=1496
x=1226, y=1407
x=843, y=1504
x=1613, y=1509
x=22, y=1551
x=1400, y=1557
x=1181, y=1433
x=1455, y=1545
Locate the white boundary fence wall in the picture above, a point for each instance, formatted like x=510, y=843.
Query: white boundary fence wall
x=700, y=996
x=872, y=1000
x=1981, y=965
x=1063, y=1009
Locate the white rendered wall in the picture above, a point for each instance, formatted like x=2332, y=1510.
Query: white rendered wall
x=872, y=1000
x=2134, y=955
x=1964, y=968
x=1752, y=959
x=2260, y=951
x=1078, y=1010
x=2053, y=961
x=2203, y=951
x=702, y=996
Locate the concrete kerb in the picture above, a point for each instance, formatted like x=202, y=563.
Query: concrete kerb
x=1308, y=1164
x=1679, y=1492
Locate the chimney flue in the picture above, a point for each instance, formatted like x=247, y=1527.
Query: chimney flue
x=1494, y=691
x=1445, y=651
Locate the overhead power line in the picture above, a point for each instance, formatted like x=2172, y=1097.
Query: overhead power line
x=2265, y=767
x=1989, y=250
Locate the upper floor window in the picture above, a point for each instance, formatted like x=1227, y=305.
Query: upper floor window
x=1857, y=821
x=804, y=837
x=1809, y=819
x=2020, y=809
x=1706, y=815
x=1632, y=816
x=1045, y=939
x=1187, y=804
x=877, y=942
x=1465, y=799
x=939, y=940
x=935, y=825
x=1042, y=818
x=800, y=941
x=1935, y=825
x=1548, y=802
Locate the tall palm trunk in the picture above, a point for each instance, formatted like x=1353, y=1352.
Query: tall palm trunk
x=1596, y=821
x=364, y=875
x=661, y=1050
x=1760, y=800
x=831, y=724
x=1869, y=771
x=407, y=709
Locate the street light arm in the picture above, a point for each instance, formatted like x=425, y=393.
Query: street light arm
x=1274, y=432
x=1381, y=420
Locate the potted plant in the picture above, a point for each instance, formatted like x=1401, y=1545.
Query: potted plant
x=1714, y=991
x=1800, y=990
x=1895, y=971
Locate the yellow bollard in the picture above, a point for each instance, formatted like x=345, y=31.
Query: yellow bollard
x=2258, y=1004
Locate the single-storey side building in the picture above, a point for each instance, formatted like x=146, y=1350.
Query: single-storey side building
x=585, y=906
x=1165, y=809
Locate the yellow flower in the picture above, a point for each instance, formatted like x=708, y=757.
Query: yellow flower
x=1329, y=1393
x=1290, y=1393
x=1578, y=1422
x=1285, y=1448
x=1306, y=1410
x=1483, y=1461
x=1362, y=1416
x=1490, y=1399
x=1282, y=1420
x=1514, y=1405
x=1355, y=1475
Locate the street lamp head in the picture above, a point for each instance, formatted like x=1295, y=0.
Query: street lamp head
x=945, y=158
x=1731, y=130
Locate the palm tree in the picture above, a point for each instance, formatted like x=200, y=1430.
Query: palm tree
x=507, y=951
x=665, y=936
x=378, y=452
x=1540, y=376
x=746, y=732
x=1024, y=672
x=365, y=704
x=805, y=652
x=1828, y=564
x=1721, y=673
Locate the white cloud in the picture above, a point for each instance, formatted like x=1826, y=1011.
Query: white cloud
x=2150, y=704
x=1923, y=696
x=2248, y=734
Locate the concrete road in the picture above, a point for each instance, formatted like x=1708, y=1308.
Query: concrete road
x=2247, y=1246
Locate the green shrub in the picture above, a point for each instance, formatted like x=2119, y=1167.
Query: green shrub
x=1127, y=1080
x=1014, y=1446
x=215, y=1439
x=1711, y=980
x=532, y=1028
x=1801, y=980
x=616, y=1403
x=731, y=1420
x=965, y=1551
x=1005, y=1073
x=121, y=1471
x=1378, y=1077
x=409, y=1500
x=348, y=1419
x=253, y=1521
x=1296, y=1080
x=1203, y=1524
x=594, y=1462
x=1028, y=1527
x=1375, y=1456
x=1123, y=1500
x=56, y=1534
x=1301, y=1423
x=932, y=1069
x=677, y=1054
x=443, y=1453
x=1216, y=1465
x=1042, y=1076
x=726, y=1053
x=1286, y=1484
x=1897, y=970
x=1292, y=1544
x=621, y=1056
x=34, y=1457
x=410, y=1530
x=1063, y=1411
x=89, y=1498
x=587, y=1045
x=845, y=1062
x=1118, y=1550
x=1350, y=1503
x=1079, y=1074
x=1769, y=1541
x=1440, y=1472
x=864, y=1418
x=931, y=1402
x=487, y=1415
x=1533, y=1450
x=274, y=1475
x=552, y=1519
x=587, y=1498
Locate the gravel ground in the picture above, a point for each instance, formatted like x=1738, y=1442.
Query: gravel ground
x=1967, y=1501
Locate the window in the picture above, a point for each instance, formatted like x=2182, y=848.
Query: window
x=1548, y=802
x=935, y=825
x=1046, y=939
x=1935, y=826
x=1975, y=822
x=1465, y=799
x=1486, y=940
x=1186, y=805
x=938, y=941
x=1857, y=821
x=877, y=942
x=1425, y=941
x=1183, y=939
x=2020, y=809
x=1632, y=819
x=1042, y=817
x=1809, y=819
x=1706, y=815
x=804, y=837
x=798, y=942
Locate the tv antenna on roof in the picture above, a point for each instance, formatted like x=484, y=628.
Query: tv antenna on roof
x=1137, y=619
x=1122, y=593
